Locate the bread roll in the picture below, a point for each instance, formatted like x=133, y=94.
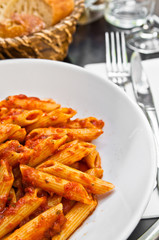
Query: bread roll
x=20, y=25
x=50, y=11
x=3, y=5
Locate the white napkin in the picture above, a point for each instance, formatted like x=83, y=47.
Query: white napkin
x=152, y=70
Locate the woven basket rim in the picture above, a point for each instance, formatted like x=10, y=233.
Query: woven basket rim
x=75, y=15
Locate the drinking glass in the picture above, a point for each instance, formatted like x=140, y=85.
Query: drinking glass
x=145, y=39
x=94, y=9
x=126, y=14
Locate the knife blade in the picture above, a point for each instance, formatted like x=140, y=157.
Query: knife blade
x=140, y=83
x=144, y=98
x=143, y=95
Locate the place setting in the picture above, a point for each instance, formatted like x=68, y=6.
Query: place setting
x=79, y=128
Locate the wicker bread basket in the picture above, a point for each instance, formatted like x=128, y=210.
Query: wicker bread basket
x=51, y=43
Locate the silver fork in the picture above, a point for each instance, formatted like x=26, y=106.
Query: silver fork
x=116, y=58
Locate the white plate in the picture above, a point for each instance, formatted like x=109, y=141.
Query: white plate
x=126, y=147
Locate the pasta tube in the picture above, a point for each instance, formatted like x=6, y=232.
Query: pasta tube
x=14, y=152
x=49, y=183
x=72, y=152
x=53, y=118
x=91, y=183
x=6, y=181
x=97, y=172
x=84, y=134
x=44, y=149
x=29, y=103
x=19, y=135
x=90, y=122
x=54, y=200
x=12, y=197
x=7, y=130
x=36, y=228
x=21, y=117
x=22, y=209
x=93, y=159
x=75, y=217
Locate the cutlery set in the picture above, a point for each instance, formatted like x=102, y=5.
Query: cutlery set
x=119, y=72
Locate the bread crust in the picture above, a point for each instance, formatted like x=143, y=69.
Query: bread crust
x=60, y=9
x=20, y=19
x=20, y=25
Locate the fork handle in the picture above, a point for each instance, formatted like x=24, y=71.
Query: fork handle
x=152, y=233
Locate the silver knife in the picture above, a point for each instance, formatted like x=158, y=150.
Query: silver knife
x=143, y=94
x=145, y=100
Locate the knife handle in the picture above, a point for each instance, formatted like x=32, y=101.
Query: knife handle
x=152, y=233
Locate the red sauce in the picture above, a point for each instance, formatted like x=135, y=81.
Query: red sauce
x=65, y=146
x=7, y=178
x=21, y=96
x=97, y=123
x=32, y=116
x=25, y=158
x=33, y=142
x=67, y=205
x=82, y=166
x=85, y=178
x=43, y=207
x=9, y=146
x=71, y=188
x=58, y=225
x=59, y=169
x=53, y=118
x=29, y=176
x=58, y=180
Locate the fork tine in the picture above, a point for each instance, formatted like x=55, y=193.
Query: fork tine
x=116, y=58
x=113, y=51
x=108, y=57
x=118, y=50
x=124, y=55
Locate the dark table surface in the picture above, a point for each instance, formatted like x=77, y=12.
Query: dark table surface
x=88, y=46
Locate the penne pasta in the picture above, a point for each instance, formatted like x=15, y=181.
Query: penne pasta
x=12, y=197
x=21, y=117
x=97, y=172
x=12, y=217
x=7, y=130
x=54, y=200
x=91, y=183
x=53, y=118
x=14, y=152
x=93, y=159
x=19, y=135
x=3, y=111
x=39, y=226
x=72, y=152
x=75, y=217
x=49, y=169
x=90, y=122
x=43, y=150
x=84, y=134
x=6, y=181
x=49, y=183
x=29, y=103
